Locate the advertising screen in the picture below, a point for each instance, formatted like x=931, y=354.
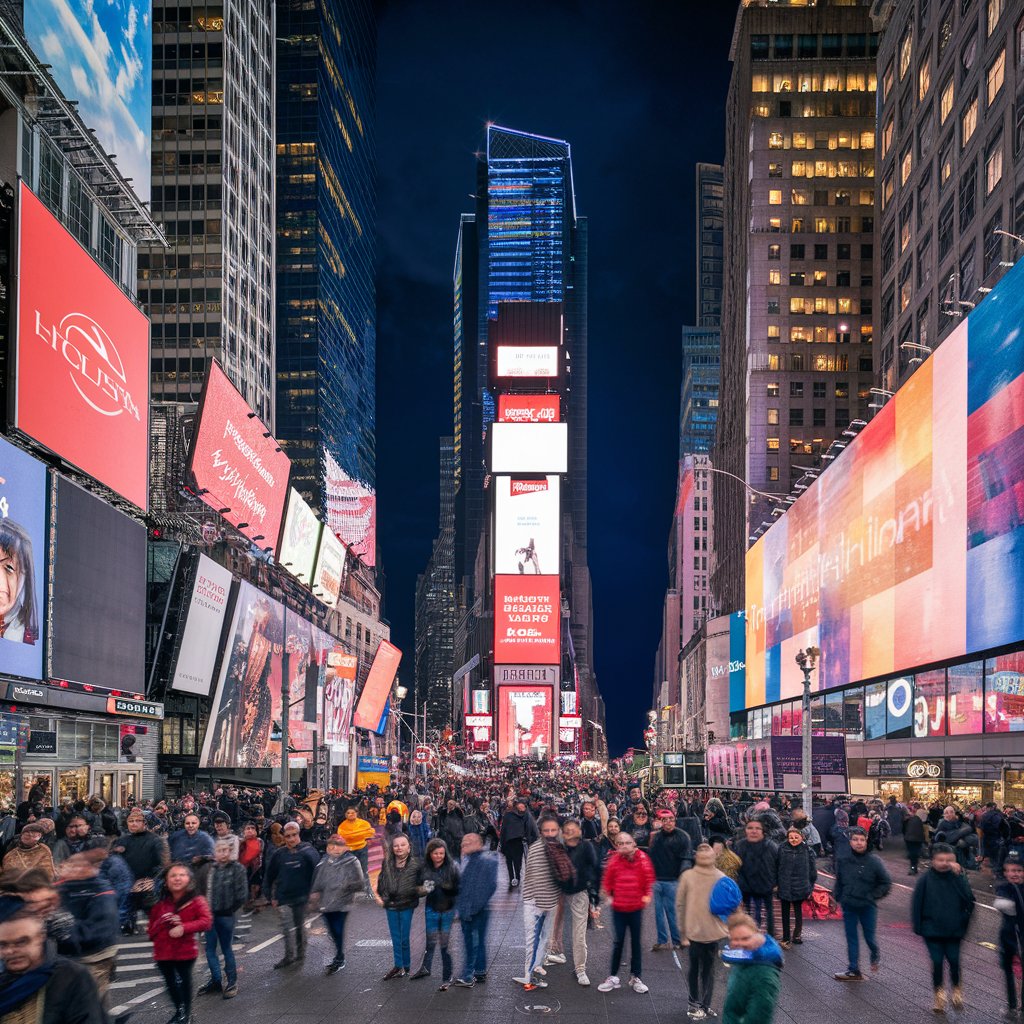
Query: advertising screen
x=300, y=538
x=339, y=696
x=307, y=648
x=526, y=361
x=525, y=721
x=23, y=561
x=377, y=688
x=330, y=566
x=908, y=550
x=82, y=361
x=527, y=526
x=239, y=468
x=351, y=511
x=204, y=623
x=529, y=448
x=101, y=56
x=529, y=409
x=248, y=697
x=98, y=593
x=527, y=620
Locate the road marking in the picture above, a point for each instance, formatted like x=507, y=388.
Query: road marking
x=268, y=942
x=115, y=1010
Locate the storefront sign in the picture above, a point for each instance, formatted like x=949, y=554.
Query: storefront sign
x=42, y=742
x=478, y=721
x=371, y=770
x=23, y=692
x=906, y=767
x=507, y=674
x=924, y=769
x=134, y=708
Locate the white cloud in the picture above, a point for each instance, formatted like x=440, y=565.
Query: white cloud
x=81, y=80
x=51, y=46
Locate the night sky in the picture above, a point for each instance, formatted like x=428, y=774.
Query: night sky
x=639, y=91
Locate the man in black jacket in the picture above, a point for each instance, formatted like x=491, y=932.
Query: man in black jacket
x=861, y=881
x=578, y=897
x=146, y=854
x=287, y=883
x=518, y=830
x=758, y=873
x=671, y=853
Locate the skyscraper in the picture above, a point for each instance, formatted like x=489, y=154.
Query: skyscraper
x=326, y=294
x=211, y=295
x=710, y=239
x=799, y=249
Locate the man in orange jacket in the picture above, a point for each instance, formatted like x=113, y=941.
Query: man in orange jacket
x=357, y=834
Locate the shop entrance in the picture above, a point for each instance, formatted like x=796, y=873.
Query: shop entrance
x=116, y=786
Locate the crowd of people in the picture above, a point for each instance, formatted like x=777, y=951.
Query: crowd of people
x=581, y=849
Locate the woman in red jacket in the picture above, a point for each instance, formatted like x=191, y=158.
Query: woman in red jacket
x=629, y=881
x=173, y=925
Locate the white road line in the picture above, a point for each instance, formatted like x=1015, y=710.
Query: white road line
x=268, y=942
x=135, y=1002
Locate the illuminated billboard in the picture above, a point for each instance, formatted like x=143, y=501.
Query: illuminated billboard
x=204, y=623
x=82, y=358
x=525, y=721
x=377, y=688
x=299, y=538
x=239, y=468
x=529, y=448
x=529, y=408
x=527, y=526
x=350, y=508
x=339, y=696
x=101, y=57
x=526, y=361
x=330, y=566
x=908, y=550
x=527, y=620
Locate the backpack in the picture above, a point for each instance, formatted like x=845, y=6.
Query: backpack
x=562, y=869
x=821, y=905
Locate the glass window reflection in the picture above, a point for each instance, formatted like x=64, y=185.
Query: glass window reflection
x=966, y=699
x=874, y=711
x=1004, y=693
x=930, y=704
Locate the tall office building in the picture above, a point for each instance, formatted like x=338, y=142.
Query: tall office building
x=698, y=404
x=799, y=249
x=710, y=232
x=949, y=152
x=326, y=293
x=435, y=611
x=211, y=295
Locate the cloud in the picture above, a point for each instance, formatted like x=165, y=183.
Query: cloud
x=81, y=80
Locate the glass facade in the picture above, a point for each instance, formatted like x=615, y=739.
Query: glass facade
x=699, y=399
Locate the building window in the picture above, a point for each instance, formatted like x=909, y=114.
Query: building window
x=994, y=165
x=968, y=55
x=946, y=162
x=774, y=252
x=773, y=417
x=995, y=76
x=924, y=80
x=995, y=12
x=888, y=131
x=906, y=165
x=796, y=251
x=819, y=418
x=968, y=122
x=775, y=197
x=772, y=390
x=772, y=444
x=906, y=50
x=796, y=389
x=945, y=229
x=888, y=79
x=965, y=702
x=796, y=417
x=968, y=195
x=993, y=243
x=775, y=277
x=773, y=474
x=946, y=100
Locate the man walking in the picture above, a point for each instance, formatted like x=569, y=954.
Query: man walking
x=336, y=881
x=861, y=881
x=476, y=887
x=518, y=831
x=578, y=896
x=289, y=880
x=671, y=854
x=541, y=895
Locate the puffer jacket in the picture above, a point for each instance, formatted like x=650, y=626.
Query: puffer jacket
x=337, y=880
x=446, y=885
x=913, y=829
x=942, y=905
x=227, y=888
x=627, y=881
x=757, y=873
x=397, y=887
x=861, y=880
x=195, y=917
x=797, y=872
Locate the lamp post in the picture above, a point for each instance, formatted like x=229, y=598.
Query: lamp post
x=807, y=661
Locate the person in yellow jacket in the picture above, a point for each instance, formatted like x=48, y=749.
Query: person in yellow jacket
x=357, y=834
x=397, y=805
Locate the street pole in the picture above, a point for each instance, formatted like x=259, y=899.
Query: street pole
x=286, y=698
x=805, y=774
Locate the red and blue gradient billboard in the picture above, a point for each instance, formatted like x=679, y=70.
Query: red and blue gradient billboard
x=909, y=550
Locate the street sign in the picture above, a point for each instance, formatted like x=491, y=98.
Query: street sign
x=424, y=755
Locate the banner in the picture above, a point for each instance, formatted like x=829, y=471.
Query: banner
x=339, y=695
x=529, y=408
x=330, y=566
x=204, y=623
x=299, y=538
x=529, y=447
x=373, y=771
x=350, y=508
x=525, y=721
x=776, y=763
x=377, y=688
x=527, y=526
x=526, y=361
x=527, y=620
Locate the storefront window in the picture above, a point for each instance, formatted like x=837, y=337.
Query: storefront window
x=853, y=713
x=834, y=714
x=900, y=707
x=7, y=797
x=73, y=784
x=874, y=711
x=73, y=739
x=966, y=699
x=777, y=713
x=105, y=739
x=930, y=704
x=1004, y=693
x=797, y=718
x=818, y=715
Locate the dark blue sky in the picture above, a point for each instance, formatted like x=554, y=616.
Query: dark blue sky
x=639, y=90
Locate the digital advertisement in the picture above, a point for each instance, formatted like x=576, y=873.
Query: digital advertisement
x=82, y=358
x=204, y=624
x=377, y=688
x=339, y=696
x=908, y=550
x=23, y=560
x=527, y=620
x=529, y=447
x=330, y=566
x=300, y=538
x=527, y=361
x=239, y=468
x=351, y=511
x=525, y=721
x=529, y=409
x=527, y=525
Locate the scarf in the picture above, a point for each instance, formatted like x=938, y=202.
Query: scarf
x=16, y=988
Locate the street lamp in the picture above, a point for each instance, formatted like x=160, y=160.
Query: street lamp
x=807, y=661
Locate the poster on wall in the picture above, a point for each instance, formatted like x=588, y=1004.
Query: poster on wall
x=350, y=508
x=527, y=620
x=129, y=736
x=299, y=538
x=204, y=623
x=339, y=695
x=248, y=696
x=23, y=561
x=525, y=721
x=377, y=688
x=330, y=567
x=527, y=524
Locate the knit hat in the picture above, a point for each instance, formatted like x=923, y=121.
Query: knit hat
x=725, y=898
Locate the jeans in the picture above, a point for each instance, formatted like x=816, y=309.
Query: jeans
x=223, y=931
x=868, y=918
x=537, y=927
x=941, y=950
x=797, y=908
x=665, y=912
x=363, y=857
x=400, y=926
x=293, y=918
x=439, y=929
x=758, y=905
x=178, y=977
x=336, y=926
x=702, y=973
x=474, y=935
x=621, y=920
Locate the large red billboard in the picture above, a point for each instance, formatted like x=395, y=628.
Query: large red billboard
x=82, y=364
x=377, y=687
x=239, y=468
x=527, y=620
x=525, y=719
x=529, y=409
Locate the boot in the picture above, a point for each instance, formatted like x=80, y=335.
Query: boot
x=940, y=1001
x=958, y=997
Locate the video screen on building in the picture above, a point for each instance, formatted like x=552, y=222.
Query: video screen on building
x=527, y=620
x=529, y=408
x=527, y=526
x=98, y=594
x=82, y=358
x=525, y=722
x=909, y=548
x=204, y=624
x=101, y=57
x=22, y=562
x=350, y=507
x=377, y=688
x=239, y=468
x=515, y=362
x=299, y=538
x=529, y=448
x=339, y=695
x=330, y=567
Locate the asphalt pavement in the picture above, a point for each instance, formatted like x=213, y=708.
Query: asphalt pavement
x=900, y=992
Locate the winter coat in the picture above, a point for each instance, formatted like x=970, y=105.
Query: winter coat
x=93, y=904
x=20, y=858
x=446, y=885
x=1009, y=902
x=861, y=880
x=716, y=822
x=754, y=983
x=627, y=881
x=671, y=854
x=195, y=917
x=227, y=888
x=757, y=875
x=451, y=827
x=419, y=836
x=796, y=872
x=289, y=874
x=942, y=905
x=774, y=830
x=895, y=815
x=690, y=826
x=477, y=884
x=146, y=854
x=693, y=894
x=913, y=829
x=184, y=847
x=337, y=880
x=356, y=833
x=518, y=826
x=69, y=997
x=587, y=865
x=397, y=886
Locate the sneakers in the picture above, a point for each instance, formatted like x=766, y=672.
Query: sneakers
x=797, y=941
x=481, y=979
x=582, y=979
x=231, y=991
x=209, y=988
x=958, y=998
x=696, y=1013
x=876, y=962
x=554, y=958
x=334, y=966
x=659, y=947
x=536, y=981
x=395, y=972
x=638, y=986
x=609, y=984
x=540, y=971
x=445, y=985
x=848, y=976
x=470, y=982
x=939, y=1005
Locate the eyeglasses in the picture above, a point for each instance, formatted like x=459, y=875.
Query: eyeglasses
x=23, y=943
